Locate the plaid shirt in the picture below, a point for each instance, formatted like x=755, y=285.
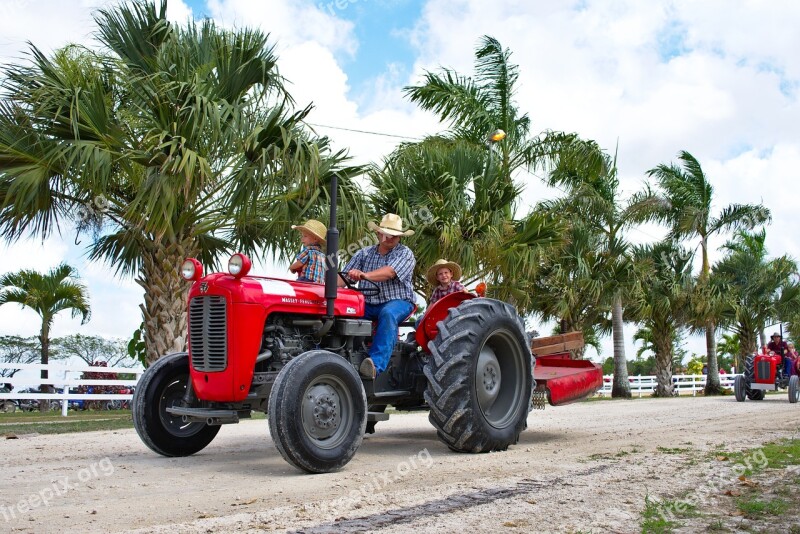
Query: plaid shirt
x=438, y=293
x=313, y=260
x=400, y=258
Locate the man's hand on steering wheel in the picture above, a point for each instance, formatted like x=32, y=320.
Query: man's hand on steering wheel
x=355, y=275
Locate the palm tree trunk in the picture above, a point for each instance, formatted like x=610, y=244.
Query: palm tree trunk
x=621, y=388
x=663, y=345
x=164, y=310
x=44, y=340
x=713, y=386
x=762, y=337
x=748, y=344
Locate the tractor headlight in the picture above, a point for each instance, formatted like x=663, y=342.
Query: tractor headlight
x=191, y=270
x=239, y=265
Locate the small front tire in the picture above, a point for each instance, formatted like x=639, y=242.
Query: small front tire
x=317, y=412
x=162, y=386
x=739, y=388
x=794, y=389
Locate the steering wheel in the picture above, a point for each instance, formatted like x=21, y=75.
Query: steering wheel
x=371, y=290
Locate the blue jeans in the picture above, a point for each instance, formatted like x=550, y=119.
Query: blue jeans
x=387, y=315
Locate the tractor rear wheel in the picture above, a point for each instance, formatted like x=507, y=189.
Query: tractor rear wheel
x=749, y=377
x=480, y=377
x=317, y=412
x=739, y=388
x=162, y=386
x=794, y=388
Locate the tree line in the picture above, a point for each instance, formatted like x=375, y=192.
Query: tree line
x=168, y=141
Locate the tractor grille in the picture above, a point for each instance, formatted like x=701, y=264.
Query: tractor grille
x=763, y=370
x=208, y=333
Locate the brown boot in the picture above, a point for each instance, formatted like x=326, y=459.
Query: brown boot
x=367, y=369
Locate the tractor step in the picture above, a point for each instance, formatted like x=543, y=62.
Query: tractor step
x=381, y=394
x=204, y=415
x=377, y=416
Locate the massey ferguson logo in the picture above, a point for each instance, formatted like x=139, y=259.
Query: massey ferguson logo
x=203, y=287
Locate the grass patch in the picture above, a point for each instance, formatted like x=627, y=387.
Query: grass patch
x=774, y=455
x=754, y=508
x=19, y=423
x=68, y=424
x=660, y=517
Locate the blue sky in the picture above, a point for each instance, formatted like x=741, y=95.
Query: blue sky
x=718, y=78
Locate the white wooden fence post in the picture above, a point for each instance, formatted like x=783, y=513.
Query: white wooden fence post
x=64, y=401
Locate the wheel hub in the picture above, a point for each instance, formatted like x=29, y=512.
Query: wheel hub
x=489, y=378
x=321, y=412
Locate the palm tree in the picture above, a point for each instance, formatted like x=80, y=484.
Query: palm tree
x=685, y=204
x=173, y=142
x=593, y=197
x=569, y=288
x=661, y=303
x=757, y=290
x=730, y=345
x=462, y=210
x=47, y=295
x=475, y=107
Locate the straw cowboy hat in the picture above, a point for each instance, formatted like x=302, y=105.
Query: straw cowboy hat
x=313, y=227
x=391, y=224
x=453, y=266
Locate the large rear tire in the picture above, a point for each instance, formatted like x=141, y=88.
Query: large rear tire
x=794, y=388
x=739, y=388
x=480, y=377
x=317, y=412
x=162, y=386
x=749, y=377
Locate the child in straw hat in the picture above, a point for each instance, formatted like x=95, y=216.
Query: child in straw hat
x=444, y=276
x=309, y=264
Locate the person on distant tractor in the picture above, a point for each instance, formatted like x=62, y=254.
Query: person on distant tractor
x=309, y=264
x=779, y=347
x=389, y=265
x=791, y=359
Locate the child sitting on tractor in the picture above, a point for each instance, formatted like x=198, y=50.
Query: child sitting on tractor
x=309, y=264
x=444, y=276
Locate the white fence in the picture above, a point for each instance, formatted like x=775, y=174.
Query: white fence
x=683, y=384
x=64, y=378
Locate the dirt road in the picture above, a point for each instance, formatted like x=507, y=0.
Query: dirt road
x=583, y=467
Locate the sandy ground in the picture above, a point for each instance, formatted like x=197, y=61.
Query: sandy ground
x=578, y=468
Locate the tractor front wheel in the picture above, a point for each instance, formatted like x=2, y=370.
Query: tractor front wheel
x=739, y=388
x=794, y=388
x=317, y=412
x=163, y=385
x=480, y=377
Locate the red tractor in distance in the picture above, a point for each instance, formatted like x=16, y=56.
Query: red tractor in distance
x=765, y=371
x=292, y=349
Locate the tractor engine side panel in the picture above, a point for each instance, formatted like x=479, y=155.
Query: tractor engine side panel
x=226, y=326
x=228, y=378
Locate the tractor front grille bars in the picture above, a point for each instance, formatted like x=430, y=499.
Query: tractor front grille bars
x=208, y=333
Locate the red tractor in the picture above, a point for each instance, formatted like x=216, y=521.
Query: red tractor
x=766, y=371
x=292, y=349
